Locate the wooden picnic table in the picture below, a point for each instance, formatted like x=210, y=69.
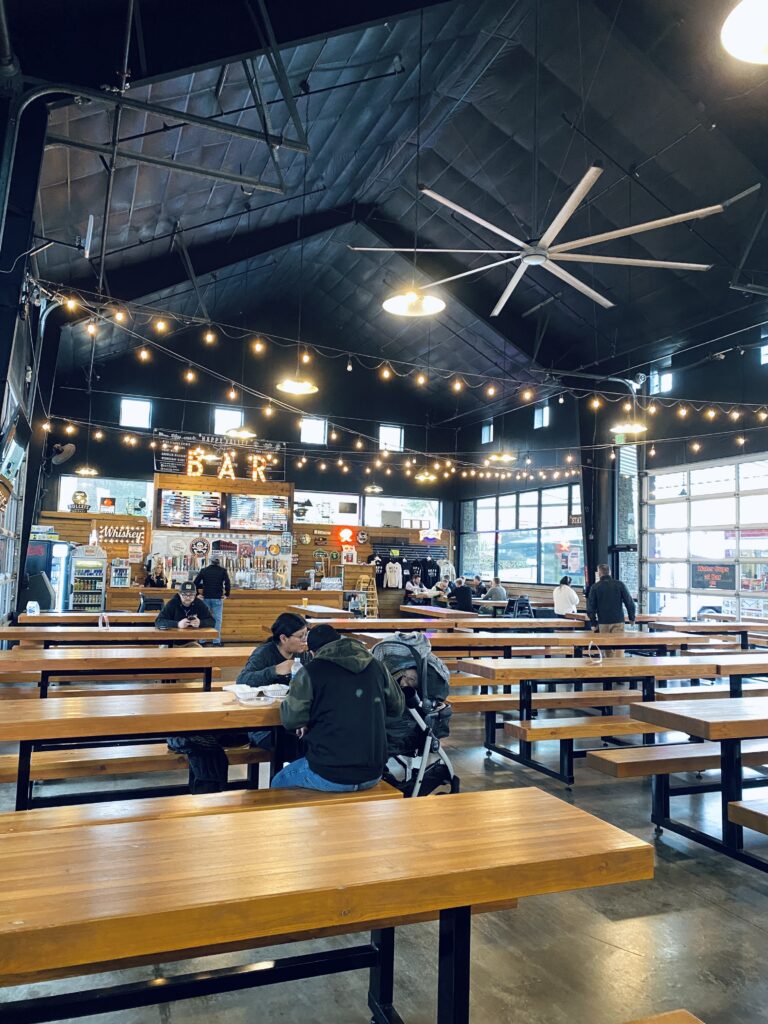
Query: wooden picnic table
x=148, y=716
x=320, y=611
x=49, y=636
x=737, y=667
x=726, y=721
x=386, y=625
x=579, y=640
x=524, y=625
x=88, y=618
x=434, y=611
x=121, y=894
x=740, y=629
x=495, y=606
x=101, y=662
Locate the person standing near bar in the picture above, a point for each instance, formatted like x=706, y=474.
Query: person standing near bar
x=213, y=580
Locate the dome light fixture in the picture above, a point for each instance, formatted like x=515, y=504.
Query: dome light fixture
x=373, y=488
x=413, y=303
x=633, y=427
x=243, y=433
x=745, y=32
x=86, y=471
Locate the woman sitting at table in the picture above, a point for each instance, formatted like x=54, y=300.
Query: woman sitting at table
x=565, y=597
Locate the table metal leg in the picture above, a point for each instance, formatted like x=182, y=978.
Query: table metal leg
x=744, y=640
x=453, y=968
x=207, y=677
x=44, y=683
x=381, y=983
x=735, y=686
x=730, y=782
x=23, y=783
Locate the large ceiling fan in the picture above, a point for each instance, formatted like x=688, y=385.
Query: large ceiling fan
x=544, y=253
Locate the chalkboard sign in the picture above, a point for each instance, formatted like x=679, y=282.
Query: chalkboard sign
x=707, y=576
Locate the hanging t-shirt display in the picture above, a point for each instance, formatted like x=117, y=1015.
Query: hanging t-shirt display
x=430, y=572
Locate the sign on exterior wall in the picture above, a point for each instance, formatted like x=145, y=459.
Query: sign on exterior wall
x=706, y=576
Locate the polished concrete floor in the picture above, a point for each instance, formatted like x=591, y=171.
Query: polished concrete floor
x=694, y=937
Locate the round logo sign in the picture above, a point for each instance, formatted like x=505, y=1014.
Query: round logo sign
x=362, y=536
x=200, y=547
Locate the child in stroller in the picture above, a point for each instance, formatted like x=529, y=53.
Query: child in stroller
x=418, y=731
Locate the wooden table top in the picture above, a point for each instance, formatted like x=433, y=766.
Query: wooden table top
x=79, y=717
x=87, y=618
x=742, y=664
x=524, y=624
x=323, y=611
x=79, y=659
x=434, y=611
x=563, y=639
x=116, y=634
x=502, y=670
x=481, y=602
x=124, y=891
x=701, y=627
x=388, y=625
x=736, y=718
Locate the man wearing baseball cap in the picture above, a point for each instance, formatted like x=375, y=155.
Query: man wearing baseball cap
x=185, y=610
x=338, y=703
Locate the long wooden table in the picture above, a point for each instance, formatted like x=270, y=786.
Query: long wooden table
x=87, y=618
x=385, y=625
x=50, y=636
x=529, y=673
x=740, y=666
x=523, y=625
x=122, y=894
x=740, y=629
x=84, y=719
x=579, y=640
x=320, y=611
x=434, y=611
x=102, y=662
x=726, y=721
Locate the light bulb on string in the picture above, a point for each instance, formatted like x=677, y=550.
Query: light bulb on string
x=359, y=443
x=741, y=441
x=762, y=415
x=91, y=328
x=99, y=435
x=120, y=316
x=595, y=403
x=386, y=373
x=161, y=326
x=653, y=409
x=457, y=385
x=306, y=357
x=334, y=435
x=627, y=406
x=744, y=34
x=682, y=412
x=652, y=450
x=561, y=400
x=526, y=394
x=490, y=390
x=421, y=379
x=144, y=355
x=70, y=304
x=69, y=429
x=735, y=415
x=711, y=414
x=189, y=375
x=695, y=446
x=257, y=346
x=46, y=426
x=232, y=393
x=209, y=337
x=349, y=364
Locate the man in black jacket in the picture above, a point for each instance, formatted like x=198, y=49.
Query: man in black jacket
x=606, y=603
x=185, y=610
x=213, y=580
x=339, y=702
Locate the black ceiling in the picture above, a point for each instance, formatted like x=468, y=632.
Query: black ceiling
x=516, y=105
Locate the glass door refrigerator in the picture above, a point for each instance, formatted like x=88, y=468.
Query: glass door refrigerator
x=88, y=579
x=53, y=558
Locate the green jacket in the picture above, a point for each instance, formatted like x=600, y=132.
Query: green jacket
x=343, y=697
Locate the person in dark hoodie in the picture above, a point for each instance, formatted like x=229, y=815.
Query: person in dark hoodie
x=339, y=703
x=185, y=610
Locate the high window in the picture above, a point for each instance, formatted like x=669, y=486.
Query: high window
x=314, y=430
x=660, y=382
x=136, y=413
x=225, y=418
x=390, y=437
x=540, y=417
x=486, y=432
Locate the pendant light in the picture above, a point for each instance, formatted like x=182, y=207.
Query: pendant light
x=630, y=424
x=414, y=301
x=298, y=385
x=745, y=32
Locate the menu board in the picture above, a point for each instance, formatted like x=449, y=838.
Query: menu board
x=706, y=576
x=264, y=512
x=191, y=509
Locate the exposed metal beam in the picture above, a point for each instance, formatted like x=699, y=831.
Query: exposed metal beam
x=114, y=99
x=180, y=245
x=171, y=165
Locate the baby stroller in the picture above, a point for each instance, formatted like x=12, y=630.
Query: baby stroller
x=417, y=733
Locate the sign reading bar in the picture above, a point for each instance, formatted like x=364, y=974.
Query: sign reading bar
x=219, y=457
x=708, y=576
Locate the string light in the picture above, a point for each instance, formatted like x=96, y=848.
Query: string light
x=144, y=355
x=695, y=446
x=613, y=454
x=711, y=414
x=340, y=462
x=153, y=444
x=627, y=407
x=349, y=364
x=161, y=326
x=359, y=443
x=99, y=435
x=735, y=415
x=682, y=412
x=741, y=441
x=526, y=394
x=595, y=403
x=458, y=385
x=46, y=426
x=258, y=346
x=70, y=304
x=421, y=379
x=322, y=466
x=232, y=393
x=386, y=373
x=653, y=408
x=561, y=400
x=69, y=429
x=652, y=450
x=345, y=469
x=120, y=316
x=91, y=328
x=569, y=457
x=306, y=357
x=762, y=415
x=209, y=337
x=268, y=410
x=490, y=390
x=190, y=376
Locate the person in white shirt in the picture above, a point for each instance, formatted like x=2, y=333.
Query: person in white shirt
x=565, y=597
x=413, y=589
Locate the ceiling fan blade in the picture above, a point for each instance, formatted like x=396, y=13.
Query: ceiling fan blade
x=625, y=261
x=516, y=278
x=636, y=229
x=410, y=248
x=574, y=282
x=477, y=270
x=571, y=205
x=471, y=216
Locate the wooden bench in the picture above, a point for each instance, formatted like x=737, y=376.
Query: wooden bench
x=707, y=692
x=750, y=813
x=672, y=1017
x=187, y=805
x=565, y=731
x=670, y=758
x=133, y=759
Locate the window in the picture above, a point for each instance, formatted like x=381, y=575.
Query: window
x=314, y=430
x=390, y=438
x=136, y=413
x=225, y=419
x=486, y=432
x=486, y=514
x=562, y=554
x=660, y=382
x=540, y=417
x=518, y=556
x=763, y=355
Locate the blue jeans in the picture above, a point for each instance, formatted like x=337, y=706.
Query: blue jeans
x=299, y=775
x=216, y=604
